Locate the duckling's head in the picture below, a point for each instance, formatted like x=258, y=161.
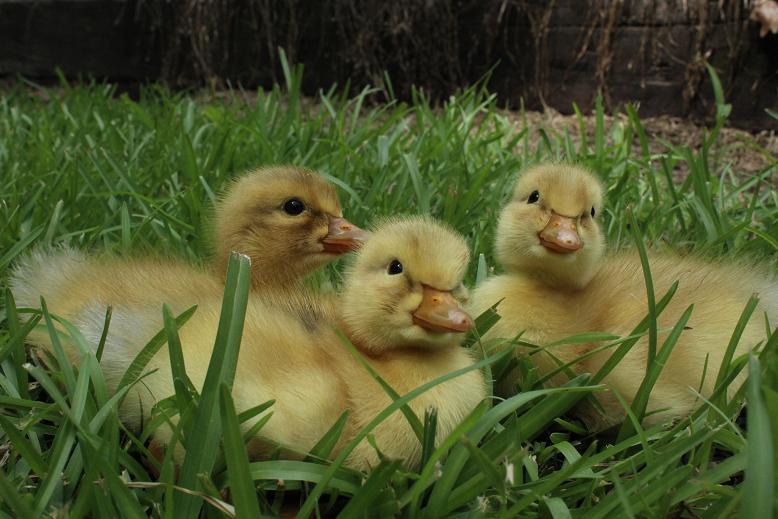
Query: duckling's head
x=550, y=227
x=288, y=220
x=404, y=289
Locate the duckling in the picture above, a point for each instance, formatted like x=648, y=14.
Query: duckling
x=288, y=220
x=558, y=282
x=551, y=246
x=400, y=308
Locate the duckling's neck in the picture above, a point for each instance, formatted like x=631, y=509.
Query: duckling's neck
x=557, y=280
x=408, y=367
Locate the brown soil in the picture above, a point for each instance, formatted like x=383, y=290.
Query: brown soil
x=746, y=153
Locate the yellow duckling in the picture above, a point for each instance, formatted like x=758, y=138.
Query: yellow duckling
x=558, y=282
x=288, y=220
x=400, y=310
x=400, y=307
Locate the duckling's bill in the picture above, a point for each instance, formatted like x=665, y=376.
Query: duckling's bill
x=440, y=312
x=343, y=236
x=561, y=234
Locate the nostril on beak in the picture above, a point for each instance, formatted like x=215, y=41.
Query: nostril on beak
x=345, y=227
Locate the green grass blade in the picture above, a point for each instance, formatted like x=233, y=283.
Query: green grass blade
x=317, y=491
x=18, y=247
x=14, y=499
x=286, y=470
x=242, y=490
x=758, y=486
x=152, y=347
x=640, y=400
x=25, y=447
x=206, y=424
x=185, y=389
x=737, y=333
x=406, y=410
x=359, y=505
x=327, y=443
x=642, y=326
x=650, y=297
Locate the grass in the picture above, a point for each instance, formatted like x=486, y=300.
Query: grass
x=84, y=166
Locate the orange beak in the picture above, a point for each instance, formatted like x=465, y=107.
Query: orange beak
x=440, y=312
x=561, y=234
x=343, y=236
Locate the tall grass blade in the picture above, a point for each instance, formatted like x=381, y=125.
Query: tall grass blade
x=759, y=484
x=242, y=489
x=203, y=438
x=640, y=400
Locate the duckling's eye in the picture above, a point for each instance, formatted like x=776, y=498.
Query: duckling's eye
x=592, y=211
x=294, y=206
x=533, y=197
x=395, y=267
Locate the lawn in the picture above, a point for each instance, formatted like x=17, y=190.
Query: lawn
x=82, y=165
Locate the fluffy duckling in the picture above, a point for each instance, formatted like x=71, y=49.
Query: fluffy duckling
x=400, y=309
x=558, y=282
x=288, y=220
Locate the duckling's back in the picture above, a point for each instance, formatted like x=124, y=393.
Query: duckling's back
x=719, y=290
x=70, y=282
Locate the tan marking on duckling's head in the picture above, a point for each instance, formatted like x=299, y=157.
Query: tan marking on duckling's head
x=550, y=227
x=288, y=220
x=404, y=288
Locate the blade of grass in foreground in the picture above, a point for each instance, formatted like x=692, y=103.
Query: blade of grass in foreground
x=637, y=332
x=16, y=343
x=318, y=490
x=640, y=401
x=359, y=505
x=183, y=386
x=203, y=438
x=413, y=420
x=345, y=480
x=439, y=499
x=142, y=359
x=244, y=495
x=733, y=342
x=758, y=486
x=327, y=443
x=652, y=313
x=14, y=499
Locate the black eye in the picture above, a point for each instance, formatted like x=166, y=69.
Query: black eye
x=533, y=197
x=294, y=206
x=592, y=211
x=395, y=267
